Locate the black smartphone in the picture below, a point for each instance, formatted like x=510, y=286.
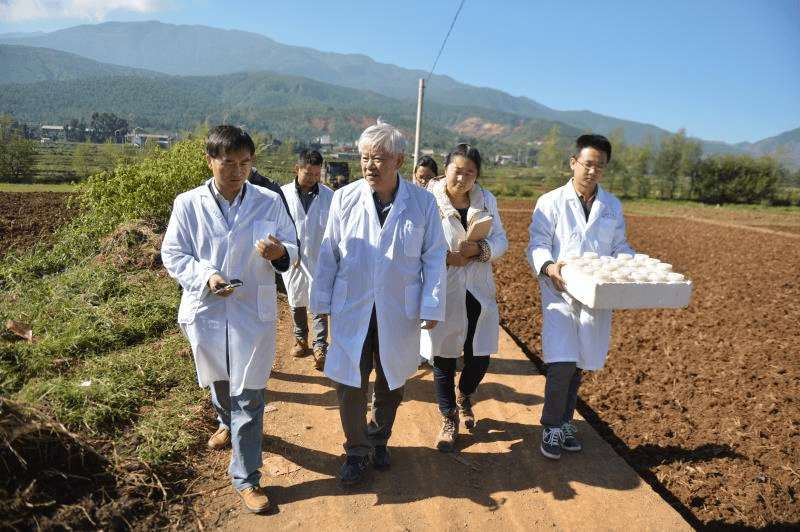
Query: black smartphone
x=221, y=287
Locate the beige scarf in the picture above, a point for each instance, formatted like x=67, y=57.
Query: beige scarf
x=454, y=231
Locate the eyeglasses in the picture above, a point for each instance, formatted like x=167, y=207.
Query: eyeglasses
x=230, y=165
x=463, y=146
x=599, y=168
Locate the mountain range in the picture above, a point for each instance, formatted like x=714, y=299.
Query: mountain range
x=163, y=53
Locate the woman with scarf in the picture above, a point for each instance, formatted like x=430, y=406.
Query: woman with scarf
x=472, y=324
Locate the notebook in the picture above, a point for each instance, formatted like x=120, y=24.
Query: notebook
x=479, y=228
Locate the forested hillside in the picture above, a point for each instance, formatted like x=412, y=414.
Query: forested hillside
x=283, y=106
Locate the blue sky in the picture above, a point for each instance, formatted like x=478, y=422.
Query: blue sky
x=722, y=69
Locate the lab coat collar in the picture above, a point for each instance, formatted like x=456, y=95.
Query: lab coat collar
x=210, y=202
x=398, y=205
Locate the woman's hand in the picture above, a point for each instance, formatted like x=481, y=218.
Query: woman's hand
x=456, y=258
x=469, y=249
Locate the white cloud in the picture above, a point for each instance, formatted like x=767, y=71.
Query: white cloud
x=93, y=10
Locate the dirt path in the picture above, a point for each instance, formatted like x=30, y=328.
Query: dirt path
x=701, y=401
x=497, y=480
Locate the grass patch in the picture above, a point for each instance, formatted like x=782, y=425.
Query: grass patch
x=107, y=356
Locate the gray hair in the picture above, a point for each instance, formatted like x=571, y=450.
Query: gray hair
x=382, y=135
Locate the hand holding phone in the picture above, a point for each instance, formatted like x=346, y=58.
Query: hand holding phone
x=224, y=288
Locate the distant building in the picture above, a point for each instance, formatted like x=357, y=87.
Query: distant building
x=139, y=139
x=53, y=133
x=505, y=159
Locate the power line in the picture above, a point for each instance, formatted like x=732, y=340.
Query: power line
x=445, y=41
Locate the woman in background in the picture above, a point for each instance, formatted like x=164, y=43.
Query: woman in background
x=425, y=171
x=473, y=321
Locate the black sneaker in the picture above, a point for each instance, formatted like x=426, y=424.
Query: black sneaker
x=353, y=469
x=381, y=458
x=570, y=442
x=551, y=443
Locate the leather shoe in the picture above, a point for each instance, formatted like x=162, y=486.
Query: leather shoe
x=300, y=348
x=220, y=439
x=255, y=499
x=319, y=359
x=381, y=458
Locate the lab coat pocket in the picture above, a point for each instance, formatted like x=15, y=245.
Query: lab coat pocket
x=262, y=228
x=187, y=311
x=412, y=239
x=339, y=295
x=412, y=301
x=267, y=303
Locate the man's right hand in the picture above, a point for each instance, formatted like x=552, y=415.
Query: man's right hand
x=554, y=273
x=217, y=280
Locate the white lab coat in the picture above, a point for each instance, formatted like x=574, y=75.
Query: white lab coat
x=198, y=243
x=447, y=339
x=572, y=332
x=310, y=230
x=399, y=268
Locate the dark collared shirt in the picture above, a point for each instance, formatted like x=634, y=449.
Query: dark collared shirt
x=306, y=197
x=382, y=207
x=587, y=203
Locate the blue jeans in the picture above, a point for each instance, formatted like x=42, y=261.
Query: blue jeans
x=319, y=327
x=243, y=415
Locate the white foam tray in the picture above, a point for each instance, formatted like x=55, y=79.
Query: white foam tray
x=625, y=295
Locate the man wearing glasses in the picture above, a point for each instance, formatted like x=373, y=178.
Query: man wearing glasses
x=576, y=218
x=224, y=242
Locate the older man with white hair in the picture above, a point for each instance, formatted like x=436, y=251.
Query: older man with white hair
x=381, y=276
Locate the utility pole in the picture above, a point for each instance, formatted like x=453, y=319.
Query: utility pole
x=420, y=95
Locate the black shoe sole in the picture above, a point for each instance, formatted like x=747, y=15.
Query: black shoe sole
x=549, y=455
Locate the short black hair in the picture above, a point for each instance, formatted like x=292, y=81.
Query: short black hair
x=465, y=150
x=310, y=158
x=598, y=142
x=428, y=162
x=227, y=139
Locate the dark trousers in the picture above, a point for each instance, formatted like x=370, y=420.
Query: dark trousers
x=444, y=369
x=361, y=436
x=561, y=386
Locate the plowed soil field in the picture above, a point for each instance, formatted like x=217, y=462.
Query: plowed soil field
x=701, y=401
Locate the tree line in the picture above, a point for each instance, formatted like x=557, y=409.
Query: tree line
x=676, y=169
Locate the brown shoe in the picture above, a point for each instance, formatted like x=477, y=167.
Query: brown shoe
x=255, y=499
x=300, y=348
x=319, y=358
x=220, y=439
x=464, y=405
x=446, y=440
